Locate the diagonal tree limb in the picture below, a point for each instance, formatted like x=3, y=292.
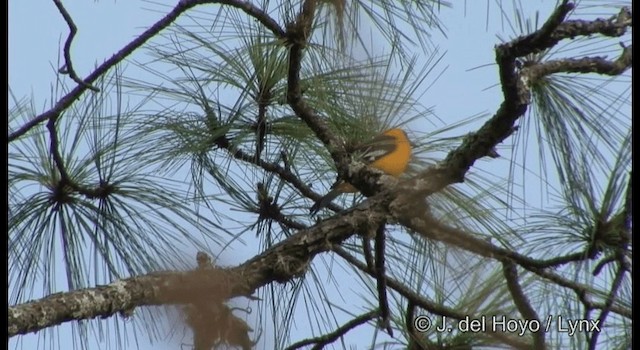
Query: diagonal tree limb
x=516, y=94
x=434, y=230
x=615, y=26
x=329, y=338
x=617, y=282
x=64, y=102
x=281, y=263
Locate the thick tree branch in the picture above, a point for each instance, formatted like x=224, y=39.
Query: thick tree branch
x=556, y=29
x=118, y=297
x=284, y=261
x=599, y=65
x=516, y=94
x=501, y=125
x=615, y=26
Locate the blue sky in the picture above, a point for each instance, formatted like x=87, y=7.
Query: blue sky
x=36, y=36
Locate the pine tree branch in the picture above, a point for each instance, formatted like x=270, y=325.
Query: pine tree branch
x=118, y=297
x=284, y=173
x=599, y=65
x=522, y=302
x=68, y=64
x=281, y=263
x=582, y=291
x=67, y=100
x=268, y=209
x=434, y=230
x=381, y=278
x=329, y=338
x=290, y=258
x=298, y=34
x=425, y=304
x=250, y=9
x=617, y=282
x=615, y=26
x=517, y=95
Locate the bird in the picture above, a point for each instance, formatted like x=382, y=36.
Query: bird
x=389, y=152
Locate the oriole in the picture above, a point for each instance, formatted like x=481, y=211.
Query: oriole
x=389, y=152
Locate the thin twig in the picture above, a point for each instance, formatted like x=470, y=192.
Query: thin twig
x=73, y=30
x=581, y=290
x=329, y=338
x=617, y=282
x=263, y=99
x=268, y=208
x=251, y=10
x=55, y=152
x=102, y=190
x=381, y=278
x=627, y=209
x=522, y=302
x=366, y=252
x=284, y=173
